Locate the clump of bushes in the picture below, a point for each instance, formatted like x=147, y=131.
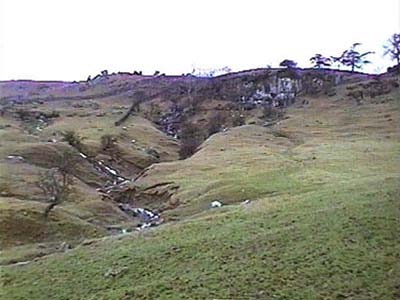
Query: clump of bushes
x=191, y=137
x=238, y=120
x=74, y=140
x=153, y=113
x=109, y=145
x=271, y=113
x=108, y=141
x=215, y=124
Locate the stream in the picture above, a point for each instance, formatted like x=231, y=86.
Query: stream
x=147, y=217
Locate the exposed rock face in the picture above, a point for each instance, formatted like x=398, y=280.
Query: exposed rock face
x=276, y=91
x=262, y=88
x=130, y=192
x=279, y=88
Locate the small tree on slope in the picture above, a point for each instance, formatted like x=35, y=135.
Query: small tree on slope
x=393, y=48
x=56, y=183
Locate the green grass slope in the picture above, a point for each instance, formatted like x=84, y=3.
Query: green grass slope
x=338, y=242
x=322, y=222
x=328, y=140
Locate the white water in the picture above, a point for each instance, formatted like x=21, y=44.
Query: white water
x=148, y=217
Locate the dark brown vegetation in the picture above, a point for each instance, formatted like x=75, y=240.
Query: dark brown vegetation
x=191, y=138
x=73, y=139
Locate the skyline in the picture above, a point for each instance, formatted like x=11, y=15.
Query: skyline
x=70, y=40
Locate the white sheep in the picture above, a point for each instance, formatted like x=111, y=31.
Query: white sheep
x=216, y=204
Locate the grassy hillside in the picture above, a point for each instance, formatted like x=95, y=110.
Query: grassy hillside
x=28, y=148
x=333, y=243
x=322, y=222
x=328, y=140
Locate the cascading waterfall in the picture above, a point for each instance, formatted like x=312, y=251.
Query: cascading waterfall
x=147, y=217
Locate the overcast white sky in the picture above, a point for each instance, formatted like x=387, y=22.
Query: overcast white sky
x=70, y=39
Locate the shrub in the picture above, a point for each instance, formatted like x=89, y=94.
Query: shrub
x=108, y=141
x=191, y=138
x=238, y=120
x=74, y=140
x=288, y=63
x=270, y=113
x=215, y=124
x=109, y=145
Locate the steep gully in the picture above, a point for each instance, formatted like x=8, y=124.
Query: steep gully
x=147, y=217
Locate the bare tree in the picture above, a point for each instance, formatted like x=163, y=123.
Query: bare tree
x=56, y=183
x=393, y=48
x=352, y=58
x=319, y=61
